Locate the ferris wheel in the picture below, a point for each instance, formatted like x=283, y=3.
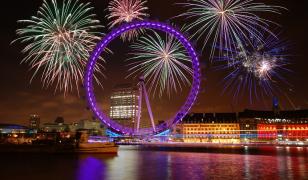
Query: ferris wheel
x=154, y=129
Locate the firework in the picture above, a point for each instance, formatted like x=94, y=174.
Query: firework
x=257, y=68
x=164, y=63
x=227, y=22
x=58, y=42
x=123, y=11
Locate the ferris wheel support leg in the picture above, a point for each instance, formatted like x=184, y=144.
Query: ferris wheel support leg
x=139, y=108
x=149, y=107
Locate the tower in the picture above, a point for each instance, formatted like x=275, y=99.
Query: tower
x=276, y=108
x=34, y=121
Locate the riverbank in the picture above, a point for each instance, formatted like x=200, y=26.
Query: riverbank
x=251, y=148
x=183, y=144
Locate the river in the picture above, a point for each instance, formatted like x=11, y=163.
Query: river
x=135, y=163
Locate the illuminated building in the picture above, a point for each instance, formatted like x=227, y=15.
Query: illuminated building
x=279, y=125
x=14, y=134
x=295, y=131
x=34, y=122
x=124, y=104
x=210, y=127
x=248, y=126
x=13, y=129
x=267, y=132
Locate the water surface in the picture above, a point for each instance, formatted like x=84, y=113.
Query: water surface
x=133, y=163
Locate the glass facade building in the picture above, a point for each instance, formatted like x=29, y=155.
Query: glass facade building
x=124, y=104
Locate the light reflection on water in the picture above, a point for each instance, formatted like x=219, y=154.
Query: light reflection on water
x=90, y=168
x=130, y=163
x=133, y=164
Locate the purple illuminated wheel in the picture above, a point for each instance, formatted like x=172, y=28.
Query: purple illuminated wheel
x=88, y=82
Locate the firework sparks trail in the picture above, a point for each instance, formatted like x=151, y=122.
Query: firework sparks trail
x=58, y=42
x=163, y=62
x=257, y=68
x=123, y=11
x=227, y=22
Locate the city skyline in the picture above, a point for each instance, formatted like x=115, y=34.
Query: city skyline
x=20, y=99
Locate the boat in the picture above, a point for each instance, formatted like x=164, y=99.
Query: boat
x=97, y=147
x=96, y=144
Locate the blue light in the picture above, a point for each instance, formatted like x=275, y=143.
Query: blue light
x=164, y=133
x=112, y=134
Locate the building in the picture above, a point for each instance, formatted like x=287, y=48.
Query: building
x=124, y=104
x=15, y=134
x=57, y=126
x=280, y=125
x=34, y=122
x=210, y=127
x=13, y=129
x=94, y=127
x=248, y=126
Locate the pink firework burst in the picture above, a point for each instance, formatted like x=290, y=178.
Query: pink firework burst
x=122, y=11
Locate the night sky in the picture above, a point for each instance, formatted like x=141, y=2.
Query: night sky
x=19, y=98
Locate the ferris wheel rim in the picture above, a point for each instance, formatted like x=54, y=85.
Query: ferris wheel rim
x=116, y=32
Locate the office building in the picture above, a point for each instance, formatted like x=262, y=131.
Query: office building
x=124, y=104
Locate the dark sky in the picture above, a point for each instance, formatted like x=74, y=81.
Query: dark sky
x=19, y=98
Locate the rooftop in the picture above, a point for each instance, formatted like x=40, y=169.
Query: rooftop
x=292, y=114
x=12, y=126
